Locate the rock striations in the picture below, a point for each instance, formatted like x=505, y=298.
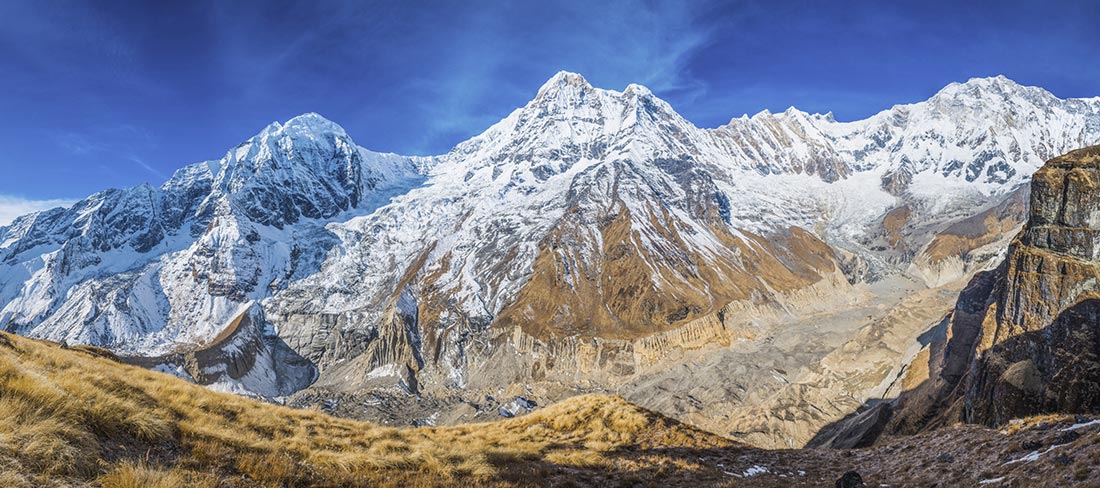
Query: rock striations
x=1024, y=339
x=1039, y=346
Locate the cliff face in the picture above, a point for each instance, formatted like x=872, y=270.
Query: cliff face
x=1023, y=339
x=1041, y=333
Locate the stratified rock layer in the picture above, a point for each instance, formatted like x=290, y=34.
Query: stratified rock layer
x=1024, y=339
x=1041, y=336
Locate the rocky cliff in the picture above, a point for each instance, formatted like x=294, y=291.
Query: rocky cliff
x=1023, y=339
x=1040, y=338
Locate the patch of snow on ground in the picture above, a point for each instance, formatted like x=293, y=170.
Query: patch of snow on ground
x=386, y=370
x=1081, y=425
x=755, y=470
x=1034, y=456
x=174, y=370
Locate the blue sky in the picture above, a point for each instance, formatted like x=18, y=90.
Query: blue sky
x=110, y=94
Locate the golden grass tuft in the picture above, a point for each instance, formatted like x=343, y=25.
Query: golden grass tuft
x=141, y=475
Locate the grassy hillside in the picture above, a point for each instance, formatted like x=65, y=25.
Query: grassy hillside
x=73, y=416
x=76, y=417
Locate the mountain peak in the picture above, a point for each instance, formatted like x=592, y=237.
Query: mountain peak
x=563, y=82
x=1001, y=81
x=636, y=89
x=307, y=124
x=977, y=87
x=313, y=122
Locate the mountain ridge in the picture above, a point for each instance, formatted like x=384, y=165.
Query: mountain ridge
x=597, y=225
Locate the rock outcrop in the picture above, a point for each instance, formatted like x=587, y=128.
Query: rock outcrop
x=1041, y=334
x=1024, y=339
x=244, y=358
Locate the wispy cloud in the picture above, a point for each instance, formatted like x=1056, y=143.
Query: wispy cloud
x=13, y=206
x=504, y=53
x=79, y=144
x=122, y=142
x=427, y=78
x=147, y=167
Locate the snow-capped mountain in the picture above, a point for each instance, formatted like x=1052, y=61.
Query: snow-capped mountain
x=970, y=141
x=149, y=271
x=584, y=212
x=588, y=231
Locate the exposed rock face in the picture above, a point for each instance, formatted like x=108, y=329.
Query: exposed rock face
x=1023, y=339
x=1040, y=340
x=243, y=358
x=1065, y=216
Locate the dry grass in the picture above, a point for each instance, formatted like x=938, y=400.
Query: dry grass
x=75, y=416
x=140, y=475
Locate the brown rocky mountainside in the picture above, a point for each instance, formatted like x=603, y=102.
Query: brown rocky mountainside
x=1024, y=338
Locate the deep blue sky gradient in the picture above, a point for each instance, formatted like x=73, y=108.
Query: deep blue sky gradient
x=109, y=94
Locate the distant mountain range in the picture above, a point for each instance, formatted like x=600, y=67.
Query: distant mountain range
x=574, y=244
